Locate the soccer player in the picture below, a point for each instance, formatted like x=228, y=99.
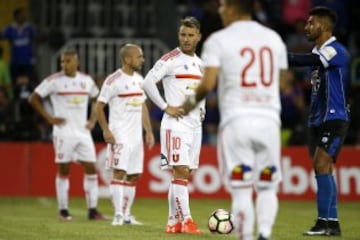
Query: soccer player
x=180, y=71
x=122, y=91
x=248, y=59
x=70, y=92
x=329, y=113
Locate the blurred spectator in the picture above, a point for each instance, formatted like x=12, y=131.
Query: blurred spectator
x=210, y=20
x=21, y=35
x=5, y=116
x=26, y=124
x=5, y=80
x=292, y=110
x=294, y=10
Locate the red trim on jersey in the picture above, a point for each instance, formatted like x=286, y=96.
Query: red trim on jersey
x=197, y=77
x=171, y=54
x=54, y=76
x=130, y=94
x=112, y=78
x=180, y=182
x=72, y=93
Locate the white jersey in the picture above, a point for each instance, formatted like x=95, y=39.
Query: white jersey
x=70, y=98
x=125, y=96
x=250, y=57
x=180, y=74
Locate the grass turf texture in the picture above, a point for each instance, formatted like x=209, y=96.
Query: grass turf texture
x=37, y=219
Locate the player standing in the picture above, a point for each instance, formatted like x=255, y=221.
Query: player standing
x=122, y=91
x=70, y=92
x=329, y=113
x=248, y=60
x=180, y=72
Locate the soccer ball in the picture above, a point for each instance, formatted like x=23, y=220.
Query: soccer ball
x=220, y=221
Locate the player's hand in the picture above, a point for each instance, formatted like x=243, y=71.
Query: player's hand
x=176, y=112
x=56, y=121
x=149, y=139
x=90, y=125
x=108, y=137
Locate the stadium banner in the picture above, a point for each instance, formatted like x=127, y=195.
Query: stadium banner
x=28, y=169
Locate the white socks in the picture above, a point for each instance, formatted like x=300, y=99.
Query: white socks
x=243, y=211
x=178, y=197
x=129, y=196
x=62, y=191
x=90, y=185
x=267, y=205
x=117, y=195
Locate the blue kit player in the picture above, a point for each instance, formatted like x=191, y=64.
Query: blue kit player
x=329, y=113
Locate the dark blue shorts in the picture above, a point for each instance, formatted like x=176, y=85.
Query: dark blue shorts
x=329, y=136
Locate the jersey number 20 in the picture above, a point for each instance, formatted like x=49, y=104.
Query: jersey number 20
x=265, y=56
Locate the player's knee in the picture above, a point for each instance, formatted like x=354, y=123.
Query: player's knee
x=89, y=167
x=269, y=178
x=64, y=169
x=133, y=178
x=241, y=175
x=119, y=174
x=182, y=172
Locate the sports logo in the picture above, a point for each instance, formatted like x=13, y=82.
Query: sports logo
x=268, y=174
x=241, y=172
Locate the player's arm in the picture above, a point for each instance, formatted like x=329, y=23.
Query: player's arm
x=149, y=136
x=100, y=115
x=36, y=102
x=302, y=60
x=92, y=119
x=156, y=74
x=207, y=85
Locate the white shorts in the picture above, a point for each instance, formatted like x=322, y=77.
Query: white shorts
x=69, y=149
x=126, y=157
x=249, y=152
x=180, y=148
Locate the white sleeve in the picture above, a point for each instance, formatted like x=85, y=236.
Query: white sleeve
x=45, y=88
x=211, y=53
x=283, y=56
x=107, y=91
x=94, y=90
x=156, y=74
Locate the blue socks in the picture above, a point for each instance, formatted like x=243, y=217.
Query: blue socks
x=325, y=193
x=333, y=214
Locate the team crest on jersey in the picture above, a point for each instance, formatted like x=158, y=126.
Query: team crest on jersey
x=315, y=80
x=268, y=174
x=83, y=85
x=186, y=67
x=60, y=155
x=175, y=157
x=241, y=172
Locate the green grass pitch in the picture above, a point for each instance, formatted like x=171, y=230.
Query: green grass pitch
x=36, y=219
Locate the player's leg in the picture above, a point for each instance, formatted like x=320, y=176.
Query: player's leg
x=173, y=224
x=236, y=159
x=194, y=143
x=268, y=175
x=134, y=171
x=85, y=151
x=118, y=160
x=328, y=140
x=63, y=150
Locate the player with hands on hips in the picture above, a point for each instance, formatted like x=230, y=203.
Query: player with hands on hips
x=123, y=92
x=180, y=71
x=70, y=92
